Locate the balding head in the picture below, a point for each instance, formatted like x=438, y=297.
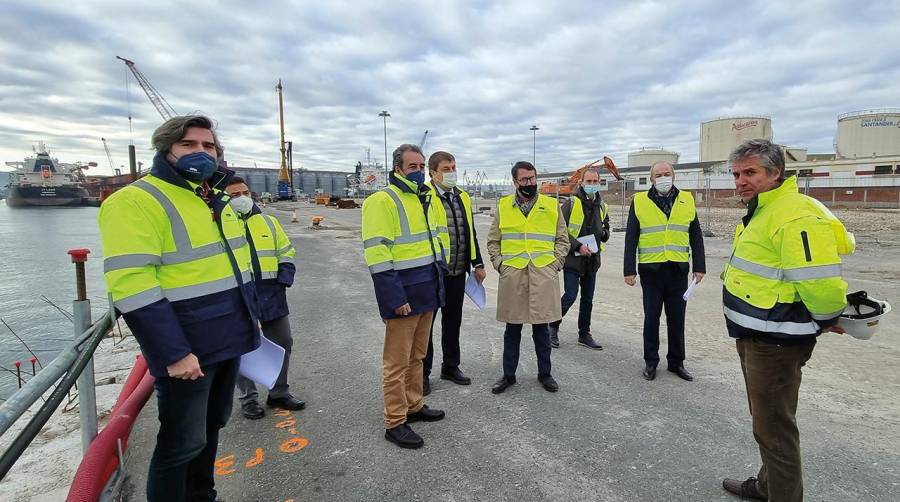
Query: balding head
x=661, y=168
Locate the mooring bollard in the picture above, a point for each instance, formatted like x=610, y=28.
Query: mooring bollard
x=87, y=397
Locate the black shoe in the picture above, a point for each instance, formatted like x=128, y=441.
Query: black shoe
x=747, y=489
x=588, y=341
x=554, y=336
x=252, y=410
x=404, y=437
x=649, y=372
x=285, y=403
x=426, y=386
x=425, y=414
x=503, y=384
x=549, y=383
x=456, y=376
x=682, y=373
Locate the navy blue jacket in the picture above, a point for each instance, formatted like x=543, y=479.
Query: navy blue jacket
x=271, y=294
x=421, y=287
x=217, y=327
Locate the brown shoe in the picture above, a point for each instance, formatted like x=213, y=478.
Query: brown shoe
x=748, y=489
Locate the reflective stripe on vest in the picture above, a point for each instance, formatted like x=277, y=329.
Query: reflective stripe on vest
x=442, y=222
x=664, y=239
x=528, y=240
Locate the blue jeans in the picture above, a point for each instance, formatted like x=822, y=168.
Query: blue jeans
x=571, y=282
x=191, y=412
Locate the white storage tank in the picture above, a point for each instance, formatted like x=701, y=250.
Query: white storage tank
x=868, y=133
x=650, y=155
x=720, y=136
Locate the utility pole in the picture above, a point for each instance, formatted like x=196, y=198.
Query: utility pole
x=384, y=115
x=534, y=130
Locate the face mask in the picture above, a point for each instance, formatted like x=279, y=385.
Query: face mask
x=241, y=204
x=528, y=191
x=663, y=184
x=197, y=167
x=417, y=177
x=591, y=189
x=449, y=180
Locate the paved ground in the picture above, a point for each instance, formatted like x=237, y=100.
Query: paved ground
x=607, y=435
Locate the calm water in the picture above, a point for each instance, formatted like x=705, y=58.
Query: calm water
x=33, y=262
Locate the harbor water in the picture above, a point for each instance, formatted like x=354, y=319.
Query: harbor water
x=34, y=262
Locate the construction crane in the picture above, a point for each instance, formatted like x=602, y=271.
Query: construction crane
x=285, y=190
x=112, y=164
x=162, y=106
x=424, y=137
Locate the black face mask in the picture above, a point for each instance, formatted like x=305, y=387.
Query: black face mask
x=528, y=191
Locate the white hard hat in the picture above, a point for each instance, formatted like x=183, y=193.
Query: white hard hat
x=860, y=318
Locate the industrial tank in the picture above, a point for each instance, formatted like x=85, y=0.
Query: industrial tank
x=868, y=133
x=720, y=136
x=650, y=156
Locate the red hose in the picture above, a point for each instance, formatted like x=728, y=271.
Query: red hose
x=102, y=456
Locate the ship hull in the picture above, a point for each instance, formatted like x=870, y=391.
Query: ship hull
x=45, y=196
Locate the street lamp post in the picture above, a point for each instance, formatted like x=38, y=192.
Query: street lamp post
x=533, y=130
x=384, y=115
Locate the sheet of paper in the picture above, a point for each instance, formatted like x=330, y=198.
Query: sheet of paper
x=475, y=292
x=590, y=241
x=690, y=289
x=263, y=364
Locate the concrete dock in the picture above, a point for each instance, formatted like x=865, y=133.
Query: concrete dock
x=606, y=435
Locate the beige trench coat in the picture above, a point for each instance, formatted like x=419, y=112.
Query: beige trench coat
x=530, y=295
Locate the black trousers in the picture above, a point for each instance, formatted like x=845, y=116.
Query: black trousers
x=664, y=288
x=451, y=319
x=512, y=338
x=191, y=412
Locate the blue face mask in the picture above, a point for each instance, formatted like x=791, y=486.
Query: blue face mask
x=417, y=177
x=197, y=167
x=591, y=189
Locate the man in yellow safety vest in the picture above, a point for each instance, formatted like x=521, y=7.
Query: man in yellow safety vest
x=527, y=244
x=782, y=289
x=664, y=233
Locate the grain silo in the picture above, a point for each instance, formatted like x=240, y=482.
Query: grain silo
x=868, y=133
x=720, y=136
x=650, y=156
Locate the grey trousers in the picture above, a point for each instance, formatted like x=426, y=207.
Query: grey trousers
x=279, y=332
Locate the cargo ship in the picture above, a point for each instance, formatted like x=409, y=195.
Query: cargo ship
x=41, y=180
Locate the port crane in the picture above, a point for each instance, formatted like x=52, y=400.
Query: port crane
x=285, y=183
x=162, y=106
x=424, y=137
x=112, y=164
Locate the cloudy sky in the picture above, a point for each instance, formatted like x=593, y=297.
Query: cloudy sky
x=597, y=78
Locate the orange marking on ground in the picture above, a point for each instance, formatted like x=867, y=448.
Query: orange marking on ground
x=223, y=464
x=294, y=444
x=253, y=462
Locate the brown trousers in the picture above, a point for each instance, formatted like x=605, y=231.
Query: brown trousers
x=772, y=374
x=405, y=345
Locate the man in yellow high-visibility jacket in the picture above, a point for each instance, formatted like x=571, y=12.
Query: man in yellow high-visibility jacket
x=272, y=259
x=177, y=267
x=403, y=251
x=782, y=289
x=663, y=232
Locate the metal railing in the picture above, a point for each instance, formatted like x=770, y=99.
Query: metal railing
x=73, y=364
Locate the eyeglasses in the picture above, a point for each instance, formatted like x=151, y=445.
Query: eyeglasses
x=528, y=181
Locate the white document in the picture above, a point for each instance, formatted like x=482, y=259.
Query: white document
x=263, y=364
x=690, y=290
x=590, y=241
x=475, y=292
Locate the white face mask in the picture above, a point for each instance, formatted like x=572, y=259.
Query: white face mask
x=242, y=204
x=449, y=179
x=663, y=184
